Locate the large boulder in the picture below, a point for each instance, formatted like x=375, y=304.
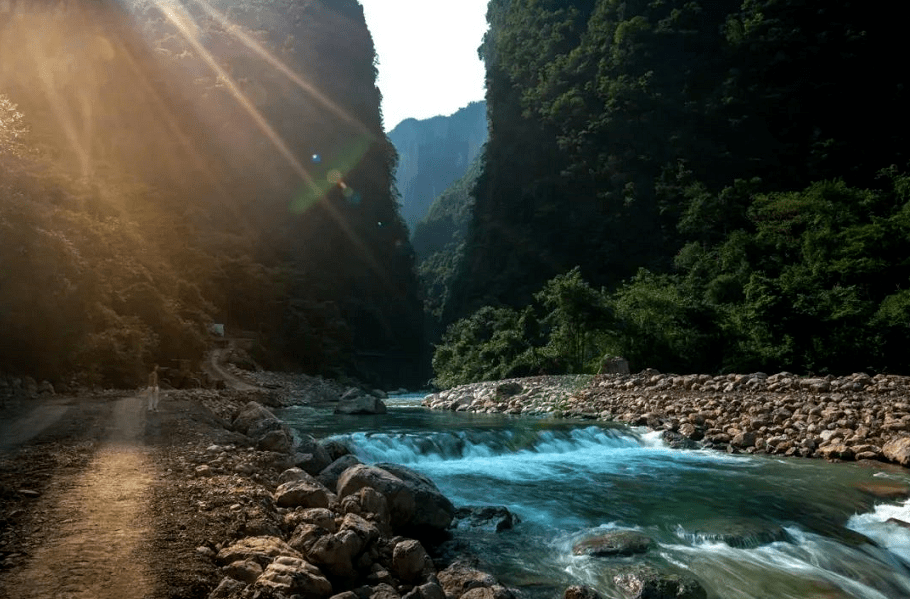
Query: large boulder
x=462, y=580
x=433, y=509
x=250, y=414
x=289, y=575
x=335, y=553
x=410, y=561
x=330, y=474
x=357, y=402
x=262, y=550
x=398, y=495
x=302, y=493
x=310, y=455
x=897, y=450
x=279, y=440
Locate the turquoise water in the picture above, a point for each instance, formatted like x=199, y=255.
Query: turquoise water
x=745, y=527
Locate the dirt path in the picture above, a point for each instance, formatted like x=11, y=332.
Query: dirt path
x=97, y=520
x=17, y=431
x=216, y=370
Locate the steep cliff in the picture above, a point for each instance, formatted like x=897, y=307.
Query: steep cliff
x=433, y=154
x=241, y=147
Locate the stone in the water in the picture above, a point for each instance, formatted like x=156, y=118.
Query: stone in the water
x=492, y=518
x=580, y=592
x=614, y=543
x=644, y=582
x=295, y=576
x=742, y=534
x=679, y=440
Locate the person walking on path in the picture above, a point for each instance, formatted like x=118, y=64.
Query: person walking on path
x=153, y=390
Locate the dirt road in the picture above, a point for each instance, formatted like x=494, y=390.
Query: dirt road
x=94, y=519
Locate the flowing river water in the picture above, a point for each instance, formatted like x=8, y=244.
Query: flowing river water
x=745, y=527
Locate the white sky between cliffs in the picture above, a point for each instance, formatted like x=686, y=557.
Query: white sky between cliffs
x=427, y=49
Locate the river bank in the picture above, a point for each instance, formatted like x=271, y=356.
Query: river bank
x=857, y=417
x=222, y=500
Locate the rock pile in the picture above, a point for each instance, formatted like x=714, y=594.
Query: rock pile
x=843, y=418
x=311, y=521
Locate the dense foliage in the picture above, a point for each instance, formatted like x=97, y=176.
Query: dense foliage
x=716, y=167
x=172, y=166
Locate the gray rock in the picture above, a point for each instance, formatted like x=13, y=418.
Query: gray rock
x=679, y=440
x=360, y=404
x=490, y=518
x=295, y=576
x=433, y=510
x=410, y=561
x=580, y=592
x=398, y=495
x=277, y=440
x=311, y=456
x=644, y=582
x=330, y=474
x=305, y=536
x=250, y=414
x=898, y=450
x=228, y=588
x=262, y=550
x=293, y=474
x=243, y=570
x=614, y=543
x=335, y=449
x=302, y=493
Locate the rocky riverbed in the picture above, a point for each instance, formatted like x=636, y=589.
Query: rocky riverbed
x=856, y=417
x=233, y=505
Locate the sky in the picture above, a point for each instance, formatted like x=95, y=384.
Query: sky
x=427, y=49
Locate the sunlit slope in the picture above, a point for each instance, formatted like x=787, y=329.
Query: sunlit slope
x=237, y=150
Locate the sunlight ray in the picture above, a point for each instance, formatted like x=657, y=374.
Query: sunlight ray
x=238, y=32
x=182, y=21
x=179, y=19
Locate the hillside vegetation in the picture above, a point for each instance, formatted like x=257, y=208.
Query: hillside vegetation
x=728, y=177
x=164, y=169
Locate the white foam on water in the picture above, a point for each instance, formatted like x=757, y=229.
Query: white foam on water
x=893, y=535
x=809, y=566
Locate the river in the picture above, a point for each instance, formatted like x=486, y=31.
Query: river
x=745, y=527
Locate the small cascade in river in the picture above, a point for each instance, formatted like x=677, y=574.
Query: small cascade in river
x=745, y=527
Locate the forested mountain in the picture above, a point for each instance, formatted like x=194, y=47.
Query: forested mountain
x=166, y=166
x=733, y=149
x=434, y=153
x=439, y=240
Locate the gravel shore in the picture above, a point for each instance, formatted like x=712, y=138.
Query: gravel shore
x=856, y=417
